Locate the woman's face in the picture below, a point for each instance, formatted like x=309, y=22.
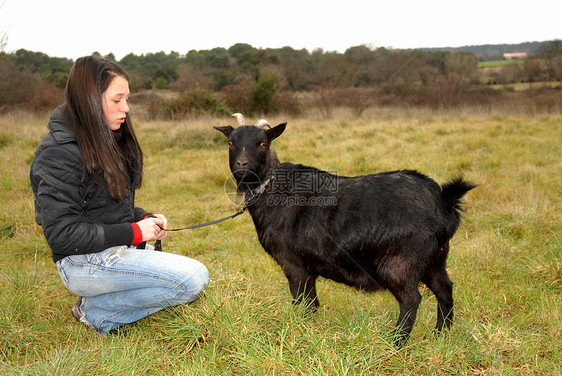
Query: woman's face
x=115, y=102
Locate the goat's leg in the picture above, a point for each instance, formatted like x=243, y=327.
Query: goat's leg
x=402, y=277
x=437, y=280
x=302, y=286
x=304, y=291
x=409, y=300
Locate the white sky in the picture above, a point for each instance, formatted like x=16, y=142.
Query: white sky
x=73, y=28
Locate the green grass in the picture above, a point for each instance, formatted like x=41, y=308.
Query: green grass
x=505, y=258
x=499, y=63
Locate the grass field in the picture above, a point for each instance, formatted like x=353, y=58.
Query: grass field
x=498, y=63
x=522, y=86
x=505, y=258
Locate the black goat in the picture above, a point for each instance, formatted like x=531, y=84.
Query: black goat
x=388, y=230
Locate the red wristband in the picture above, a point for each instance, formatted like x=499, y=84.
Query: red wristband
x=137, y=238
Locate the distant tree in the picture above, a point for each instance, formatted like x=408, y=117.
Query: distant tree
x=461, y=67
x=221, y=78
x=551, y=52
x=360, y=55
x=251, y=62
x=161, y=65
x=195, y=102
x=22, y=88
x=423, y=68
x=297, y=74
x=195, y=58
x=555, y=67
x=29, y=60
x=160, y=83
x=533, y=71
x=550, y=49
x=238, y=97
x=139, y=79
x=240, y=49
x=263, y=92
x=380, y=69
x=7, y=69
x=337, y=71
x=296, y=68
x=508, y=74
x=190, y=76
x=363, y=58
x=52, y=69
x=146, y=69
x=217, y=58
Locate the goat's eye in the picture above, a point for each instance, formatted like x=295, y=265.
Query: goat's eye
x=263, y=145
x=230, y=144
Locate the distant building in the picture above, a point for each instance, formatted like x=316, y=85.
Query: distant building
x=514, y=55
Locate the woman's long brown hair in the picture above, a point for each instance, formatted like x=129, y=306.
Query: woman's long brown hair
x=105, y=158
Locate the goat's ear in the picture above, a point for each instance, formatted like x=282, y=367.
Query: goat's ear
x=225, y=130
x=276, y=131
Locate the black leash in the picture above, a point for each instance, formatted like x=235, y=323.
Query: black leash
x=212, y=222
x=255, y=194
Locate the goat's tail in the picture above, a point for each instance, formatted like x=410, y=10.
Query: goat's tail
x=453, y=191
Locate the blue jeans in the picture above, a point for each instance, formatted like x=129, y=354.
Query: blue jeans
x=124, y=284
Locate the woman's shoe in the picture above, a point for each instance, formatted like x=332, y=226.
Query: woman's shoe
x=79, y=316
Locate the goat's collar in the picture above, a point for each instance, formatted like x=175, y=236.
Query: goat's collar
x=263, y=185
x=253, y=194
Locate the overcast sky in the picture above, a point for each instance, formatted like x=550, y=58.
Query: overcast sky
x=73, y=28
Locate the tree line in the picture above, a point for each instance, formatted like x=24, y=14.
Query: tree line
x=268, y=80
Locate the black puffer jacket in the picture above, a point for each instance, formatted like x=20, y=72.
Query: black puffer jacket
x=77, y=217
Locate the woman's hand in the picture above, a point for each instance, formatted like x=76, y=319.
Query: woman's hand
x=152, y=228
x=162, y=234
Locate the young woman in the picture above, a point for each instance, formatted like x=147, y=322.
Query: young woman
x=84, y=176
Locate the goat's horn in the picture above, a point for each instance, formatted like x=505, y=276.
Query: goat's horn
x=262, y=123
x=240, y=118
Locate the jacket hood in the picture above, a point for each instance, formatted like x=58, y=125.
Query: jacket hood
x=59, y=128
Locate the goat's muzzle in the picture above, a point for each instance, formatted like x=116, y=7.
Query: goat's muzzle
x=245, y=177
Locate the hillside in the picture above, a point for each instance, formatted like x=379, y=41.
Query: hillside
x=487, y=52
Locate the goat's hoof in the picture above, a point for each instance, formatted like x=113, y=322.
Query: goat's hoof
x=399, y=338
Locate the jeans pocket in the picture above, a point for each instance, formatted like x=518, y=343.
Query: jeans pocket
x=111, y=257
